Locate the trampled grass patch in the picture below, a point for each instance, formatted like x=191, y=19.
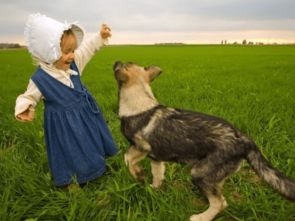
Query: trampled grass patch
x=253, y=87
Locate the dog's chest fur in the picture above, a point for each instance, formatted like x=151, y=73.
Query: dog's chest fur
x=169, y=134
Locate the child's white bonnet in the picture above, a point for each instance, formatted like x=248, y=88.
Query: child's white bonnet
x=43, y=36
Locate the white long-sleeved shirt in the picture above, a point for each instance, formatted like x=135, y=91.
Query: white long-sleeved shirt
x=83, y=54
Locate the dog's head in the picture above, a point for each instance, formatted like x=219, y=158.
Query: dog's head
x=130, y=73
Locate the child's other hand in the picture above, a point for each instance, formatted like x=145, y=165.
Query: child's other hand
x=26, y=116
x=105, y=31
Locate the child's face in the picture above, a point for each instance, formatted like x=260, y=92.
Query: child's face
x=68, y=46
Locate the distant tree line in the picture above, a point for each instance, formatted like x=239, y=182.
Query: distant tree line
x=10, y=45
x=245, y=42
x=169, y=43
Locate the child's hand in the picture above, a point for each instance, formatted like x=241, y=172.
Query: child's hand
x=105, y=31
x=26, y=116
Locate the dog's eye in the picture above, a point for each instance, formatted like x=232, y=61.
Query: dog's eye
x=146, y=68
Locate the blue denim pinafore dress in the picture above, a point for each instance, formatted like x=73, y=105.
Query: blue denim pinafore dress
x=76, y=134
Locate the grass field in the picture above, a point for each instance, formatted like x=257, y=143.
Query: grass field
x=253, y=87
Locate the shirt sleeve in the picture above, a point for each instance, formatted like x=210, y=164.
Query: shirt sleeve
x=90, y=45
x=28, y=99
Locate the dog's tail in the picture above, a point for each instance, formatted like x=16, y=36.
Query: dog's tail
x=272, y=176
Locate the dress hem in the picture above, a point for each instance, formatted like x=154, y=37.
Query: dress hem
x=83, y=179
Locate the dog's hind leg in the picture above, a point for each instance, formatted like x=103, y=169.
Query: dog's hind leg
x=210, y=181
x=158, y=170
x=132, y=157
x=217, y=203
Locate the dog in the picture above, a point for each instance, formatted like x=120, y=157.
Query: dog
x=210, y=145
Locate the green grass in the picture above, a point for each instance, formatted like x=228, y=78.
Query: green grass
x=253, y=87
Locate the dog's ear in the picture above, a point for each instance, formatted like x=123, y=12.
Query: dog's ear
x=153, y=71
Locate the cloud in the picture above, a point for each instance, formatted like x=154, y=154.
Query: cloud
x=154, y=16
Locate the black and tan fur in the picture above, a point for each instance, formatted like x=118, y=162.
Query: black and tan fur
x=210, y=145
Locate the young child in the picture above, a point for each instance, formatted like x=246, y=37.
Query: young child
x=77, y=137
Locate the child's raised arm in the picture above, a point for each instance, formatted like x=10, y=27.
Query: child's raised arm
x=90, y=46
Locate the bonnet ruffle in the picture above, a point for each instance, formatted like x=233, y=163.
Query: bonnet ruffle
x=43, y=36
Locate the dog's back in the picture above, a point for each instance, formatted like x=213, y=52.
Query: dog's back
x=184, y=136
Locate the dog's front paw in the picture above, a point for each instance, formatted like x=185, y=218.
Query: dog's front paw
x=199, y=217
x=156, y=184
x=139, y=174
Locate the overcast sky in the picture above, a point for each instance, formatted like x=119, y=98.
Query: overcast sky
x=155, y=21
